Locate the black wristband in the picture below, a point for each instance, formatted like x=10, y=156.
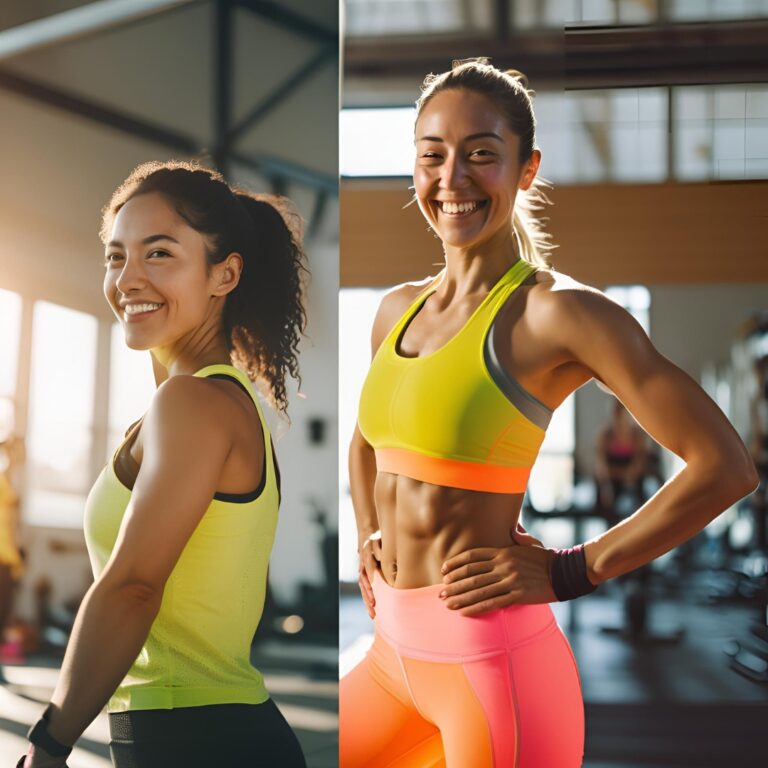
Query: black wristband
x=569, y=574
x=39, y=736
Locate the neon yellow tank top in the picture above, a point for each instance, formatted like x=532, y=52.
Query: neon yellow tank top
x=198, y=648
x=454, y=417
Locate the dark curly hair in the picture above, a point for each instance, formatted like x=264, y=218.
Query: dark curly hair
x=264, y=315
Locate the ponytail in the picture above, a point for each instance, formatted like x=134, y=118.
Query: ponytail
x=535, y=242
x=264, y=316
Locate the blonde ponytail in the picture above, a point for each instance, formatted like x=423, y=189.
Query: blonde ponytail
x=535, y=242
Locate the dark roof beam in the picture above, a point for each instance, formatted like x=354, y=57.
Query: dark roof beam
x=289, y=19
x=50, y=96
x=88, y=19
x=281, y=92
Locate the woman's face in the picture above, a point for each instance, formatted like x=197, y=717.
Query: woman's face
x=467, y=172
x=155, y=258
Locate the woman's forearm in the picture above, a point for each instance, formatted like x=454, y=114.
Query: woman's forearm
x=681, y=508
x=110, y=628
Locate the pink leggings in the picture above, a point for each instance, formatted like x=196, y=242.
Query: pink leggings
x=438, y=689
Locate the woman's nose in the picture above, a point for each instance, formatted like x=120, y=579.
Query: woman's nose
x=454, y=173
x=131, y=276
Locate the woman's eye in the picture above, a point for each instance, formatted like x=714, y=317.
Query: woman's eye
x=111, y=258
x=430, y=155
x=482, y=153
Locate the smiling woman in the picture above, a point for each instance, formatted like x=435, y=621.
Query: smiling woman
x=180, y=522
x=468, y=665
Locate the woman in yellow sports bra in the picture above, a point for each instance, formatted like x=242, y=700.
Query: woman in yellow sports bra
x=468, y=666
x=180, y=522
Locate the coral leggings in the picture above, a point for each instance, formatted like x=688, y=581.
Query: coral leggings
x=438, y=689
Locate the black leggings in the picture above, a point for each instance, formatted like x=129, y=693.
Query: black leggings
x=220, y=735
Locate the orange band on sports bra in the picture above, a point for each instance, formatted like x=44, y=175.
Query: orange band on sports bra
x=459, y=474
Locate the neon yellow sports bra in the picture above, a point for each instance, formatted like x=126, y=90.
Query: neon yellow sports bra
x=198, y=648
x=454, y=417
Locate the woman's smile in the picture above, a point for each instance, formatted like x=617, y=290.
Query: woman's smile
x=133, y=313
x=459, y=209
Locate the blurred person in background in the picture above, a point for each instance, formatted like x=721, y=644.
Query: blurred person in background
x=621, y=459
x=11, y=563
x=180, y=523
x=468, y=665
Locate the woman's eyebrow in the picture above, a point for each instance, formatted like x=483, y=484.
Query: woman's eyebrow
x=146, y=241
x=471, y=137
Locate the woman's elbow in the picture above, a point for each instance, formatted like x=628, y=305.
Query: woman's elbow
x=741, y=475
x=132, y=589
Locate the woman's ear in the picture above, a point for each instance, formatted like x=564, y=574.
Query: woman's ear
x=227, y=274
x=530, y=169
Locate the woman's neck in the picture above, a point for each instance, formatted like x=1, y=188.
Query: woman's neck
x=165, y=364
x=470, y=269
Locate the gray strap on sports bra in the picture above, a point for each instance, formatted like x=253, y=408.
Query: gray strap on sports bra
x=531, y=407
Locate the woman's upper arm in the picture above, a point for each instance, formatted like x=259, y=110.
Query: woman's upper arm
x=664, y=400
x=186, y=439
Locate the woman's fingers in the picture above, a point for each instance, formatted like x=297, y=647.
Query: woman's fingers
x=469, y=556
x=495, y=594
x=464, y=572
x=366, y=591
x=369, y=562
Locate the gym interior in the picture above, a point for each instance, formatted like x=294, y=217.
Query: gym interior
x=88, y=90
x=658, y=156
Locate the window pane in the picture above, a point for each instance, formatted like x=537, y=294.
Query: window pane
x=619, y=134
x=10, y=328
x=422, y=17
x=131, y=386
x=721, y=132
x=357, y=308
x=701, y=10
x=60, y=414
x=389, y=131
x=550, y=486
x=636, y=299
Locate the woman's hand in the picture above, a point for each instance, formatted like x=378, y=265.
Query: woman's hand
x=37, y=757
x=370, y=557
x=486, y=578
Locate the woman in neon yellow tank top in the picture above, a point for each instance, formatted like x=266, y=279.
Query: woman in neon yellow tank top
x=468, y=666
x=180, y=523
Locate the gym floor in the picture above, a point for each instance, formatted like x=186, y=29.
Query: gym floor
x=306, y=692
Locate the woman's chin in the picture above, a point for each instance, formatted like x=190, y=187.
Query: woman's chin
x=137, y=344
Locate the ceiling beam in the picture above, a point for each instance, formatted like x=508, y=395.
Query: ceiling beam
x=58, y=98
x=94, y=111
x=581, y=57
x=292, y=21
x=80, y=22
x=281, y=92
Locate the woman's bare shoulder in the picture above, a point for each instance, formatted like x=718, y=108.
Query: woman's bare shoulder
x=401, y=296
x=548, y=280
x=184, y=394
x=559, y=293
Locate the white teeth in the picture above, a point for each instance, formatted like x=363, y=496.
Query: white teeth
x=459, y=207
x=132, y=309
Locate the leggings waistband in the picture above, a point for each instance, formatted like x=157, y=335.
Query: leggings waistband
x=142, y=724
x=418, y=622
